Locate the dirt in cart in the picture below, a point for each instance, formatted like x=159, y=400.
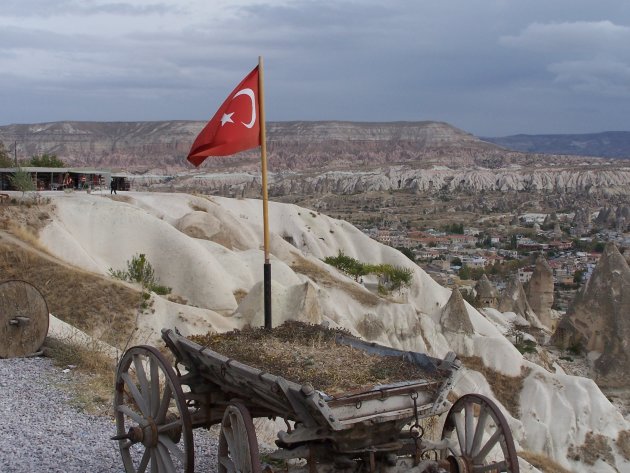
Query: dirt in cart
x=305, y=353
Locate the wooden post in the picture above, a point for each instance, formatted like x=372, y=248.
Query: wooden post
x=263, y=155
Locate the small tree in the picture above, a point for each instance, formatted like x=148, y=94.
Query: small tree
x=140, y=270
x=397, y=277
x=22, y=181
x=578, y=276
x=407, y=252
x=347, y=264
x=5, y=160
x=46, y=161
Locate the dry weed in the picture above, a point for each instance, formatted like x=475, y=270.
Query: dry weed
x=94, y=389
x=122, y=198
x=25, y=234
x=623, y=443
x=197, y=207
x=308, y=353
x=507, y=389
x=239, y=295
x=595, y=447
x=31, y=218
x=94, y=304
x=542, y=462
x=177, y=299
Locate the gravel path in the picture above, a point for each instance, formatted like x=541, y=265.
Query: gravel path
x=41, y=431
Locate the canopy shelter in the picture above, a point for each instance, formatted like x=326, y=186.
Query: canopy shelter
x=60, y=178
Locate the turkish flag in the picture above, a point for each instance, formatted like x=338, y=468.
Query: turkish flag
x=235, y=127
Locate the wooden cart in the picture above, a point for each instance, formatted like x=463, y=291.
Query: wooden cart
x=158, y=404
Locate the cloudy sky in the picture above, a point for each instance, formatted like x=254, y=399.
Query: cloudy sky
x=490, y=67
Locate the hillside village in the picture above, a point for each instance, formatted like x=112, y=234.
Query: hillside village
x=571, y=244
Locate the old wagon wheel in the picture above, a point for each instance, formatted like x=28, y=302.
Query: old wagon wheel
x=481, y=440
x=238, y=446
x=23, y=319
x=153, y=424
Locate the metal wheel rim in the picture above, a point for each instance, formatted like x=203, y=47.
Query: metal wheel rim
x=155, y=404
x=473, y=444
x=238, y=446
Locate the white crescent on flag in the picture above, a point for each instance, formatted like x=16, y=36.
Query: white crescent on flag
x=250, y=94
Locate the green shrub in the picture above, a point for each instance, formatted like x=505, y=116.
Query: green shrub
x=526, y=346
x=395, y=277
x=22, y=181
x=140, y=270
x=161, y=290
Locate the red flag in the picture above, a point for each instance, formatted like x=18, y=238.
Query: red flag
x=235, y=127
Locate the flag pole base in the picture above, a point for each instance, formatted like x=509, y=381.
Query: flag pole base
x=267, y=292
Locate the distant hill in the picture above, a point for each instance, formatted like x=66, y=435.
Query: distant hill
x=609, y=144
x=291, y=145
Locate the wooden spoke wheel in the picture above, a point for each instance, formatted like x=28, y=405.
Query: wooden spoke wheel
x=238, y=446
x=153, y=425
x=23, y=319
x=481, y=440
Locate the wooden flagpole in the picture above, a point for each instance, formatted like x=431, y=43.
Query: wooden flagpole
x=263, y=155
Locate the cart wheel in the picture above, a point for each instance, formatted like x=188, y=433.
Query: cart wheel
x=153, y=424
x=476, y=426
x=238, y=446
x=23, y=319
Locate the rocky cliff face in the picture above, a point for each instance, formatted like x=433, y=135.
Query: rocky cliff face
x=317, y=158
x=513, y=299
x=454, y=317
x=539, y=291
x=291, y=145
x=598, y=318
x=587, y=182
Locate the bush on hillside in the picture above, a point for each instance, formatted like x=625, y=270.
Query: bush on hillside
x=140, y=270
x=394, y=278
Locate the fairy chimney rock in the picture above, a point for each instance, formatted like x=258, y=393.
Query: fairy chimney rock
x=487, y=295
x=540, y=291
x=598, y=318
x=513, y=299
x=454, y=316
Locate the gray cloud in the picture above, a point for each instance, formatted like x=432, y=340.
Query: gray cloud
x=491, y=67
x=588, y=57
x=48, y=8
x=580, y=37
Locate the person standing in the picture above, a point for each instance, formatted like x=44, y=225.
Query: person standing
x=113, y=186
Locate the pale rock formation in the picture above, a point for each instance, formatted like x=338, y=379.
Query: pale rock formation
x=298, y=302
x=513, y=299
x=598, y=319
x=539, y=291
x=454, y=316
x=614, y=217
x=557, y=411
x=487, y=295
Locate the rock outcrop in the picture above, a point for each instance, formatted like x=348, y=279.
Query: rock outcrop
x=539, y=291
x=614, y=217
x=151, y=145
x=454, y=316
x=366, y=157
x=513, y=299
x=599, y=318
x=486, y=294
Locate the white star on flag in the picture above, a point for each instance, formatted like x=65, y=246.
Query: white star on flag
x=226, y=118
